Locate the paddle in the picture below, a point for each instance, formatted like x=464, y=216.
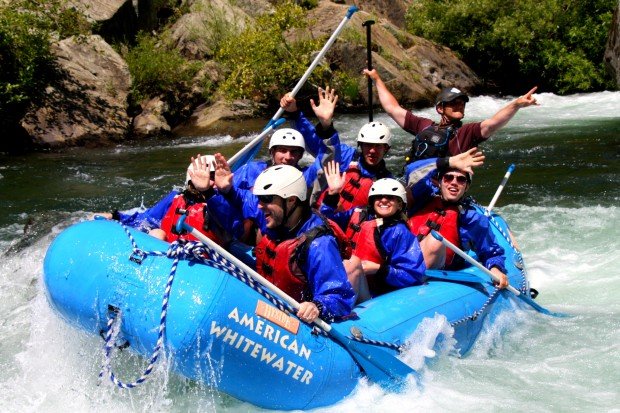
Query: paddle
x=510, y=170
x=367, y=24
x=241, y=157
x=253, y=147
x=379, y=365
x=510, y=288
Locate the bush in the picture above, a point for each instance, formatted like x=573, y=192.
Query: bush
x=26, y=30
x=156, y=69
x=261, y=62
x=554, y=43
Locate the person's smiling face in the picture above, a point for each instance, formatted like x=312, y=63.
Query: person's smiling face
x=373, y=153
x=453, y=186
x=386, y=205
x=272, y=207
x=286, y=155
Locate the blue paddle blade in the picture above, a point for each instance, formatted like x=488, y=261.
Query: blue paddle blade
x=247, y=157
x=540, y=308
x=378, y=364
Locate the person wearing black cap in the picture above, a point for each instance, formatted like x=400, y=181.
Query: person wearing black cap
x=450, y=136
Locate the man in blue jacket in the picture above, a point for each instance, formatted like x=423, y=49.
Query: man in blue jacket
x=454, y=217
x=295, y=249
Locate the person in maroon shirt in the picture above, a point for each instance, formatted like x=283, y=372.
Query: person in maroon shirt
x=450, y=136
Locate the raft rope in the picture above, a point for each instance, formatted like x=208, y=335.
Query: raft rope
x=494, y=294
x=191, y=250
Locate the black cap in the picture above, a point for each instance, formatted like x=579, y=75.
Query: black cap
x=448, y=94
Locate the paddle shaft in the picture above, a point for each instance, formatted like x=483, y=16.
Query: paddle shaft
x=368, y=24
x=254, y=145
x=318, y=58
x=472, y=261
x=255, y=141
x=249, y=271
x=379, y=365
x=510, y=170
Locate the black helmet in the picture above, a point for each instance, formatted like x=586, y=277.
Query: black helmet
x=448, y=94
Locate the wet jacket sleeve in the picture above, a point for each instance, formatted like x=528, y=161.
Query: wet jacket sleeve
x=332, y=291
x=405, y=263
x=245, y=176
x=340, y=218
x=150, y=218
x=231, y=209
x=306, y=128
x=476, y=234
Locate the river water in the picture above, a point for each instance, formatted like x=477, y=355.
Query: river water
x=561, y=202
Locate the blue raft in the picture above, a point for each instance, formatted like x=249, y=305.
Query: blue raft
x=222, y=332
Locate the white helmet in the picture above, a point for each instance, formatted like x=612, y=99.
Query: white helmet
x=287, y=137
x=374, y=132
x=282, y=180
x=209, y=159
x=388, y=186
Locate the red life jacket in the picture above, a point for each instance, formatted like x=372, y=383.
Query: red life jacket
x=441, y=217
x=279, y=262
x=197, y=217
x=355, y=190
x=369, y=246
x=354, y=226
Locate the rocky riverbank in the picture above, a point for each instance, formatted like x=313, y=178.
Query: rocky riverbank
x=91, y=103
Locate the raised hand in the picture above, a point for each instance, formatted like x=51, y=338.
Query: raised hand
x=324, y=111
x=223, y=174
x=527, y=99
x=200, y=173
x=466, y=161
x=288, y=103
x=335, y=180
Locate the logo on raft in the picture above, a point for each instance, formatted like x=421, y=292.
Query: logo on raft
x=265, y=330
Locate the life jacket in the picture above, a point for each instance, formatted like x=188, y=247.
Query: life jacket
x=197, y=217
x=280, y=262
x=356, y=187
x=354, y=226
x=431, y=142
x=443, y=218
x=370, y=248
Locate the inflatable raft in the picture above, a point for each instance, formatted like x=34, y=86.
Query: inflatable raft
x=226, y=333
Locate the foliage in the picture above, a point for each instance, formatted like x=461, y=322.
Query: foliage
x=27, y=28
x=155, y=68
x=261, y=61
x=347, y=86
x=557, y=44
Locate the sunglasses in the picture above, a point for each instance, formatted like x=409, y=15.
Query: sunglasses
x=265, y=199
x=460, y=179
x=391, y=198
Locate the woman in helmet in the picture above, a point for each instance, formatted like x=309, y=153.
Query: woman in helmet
x=390, y=255
x=296, y=249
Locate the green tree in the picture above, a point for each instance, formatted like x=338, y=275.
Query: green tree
x=557, y=44
x=261, y=61
x=27, y=28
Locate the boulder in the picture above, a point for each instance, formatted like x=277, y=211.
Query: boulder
x=120, y=20
x=151, y=121
x=209, y=21
x=392, y=10
x=612, y=51
x=234, y=118
x=88, y=103
x=413, y=68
